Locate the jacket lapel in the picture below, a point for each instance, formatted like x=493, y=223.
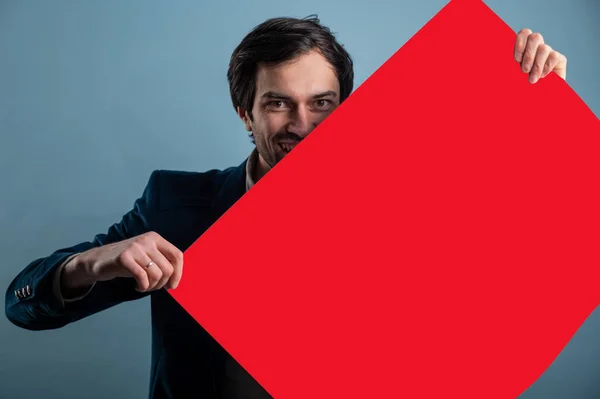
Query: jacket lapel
x=232, y=189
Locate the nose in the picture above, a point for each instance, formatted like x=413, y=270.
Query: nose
x=302, y=122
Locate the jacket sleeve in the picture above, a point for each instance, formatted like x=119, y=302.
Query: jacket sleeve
x=31, y=301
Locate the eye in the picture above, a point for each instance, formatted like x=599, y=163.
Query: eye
x=322, y=103
x=276, y=104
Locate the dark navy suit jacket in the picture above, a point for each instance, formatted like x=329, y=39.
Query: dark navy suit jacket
x=186, y=361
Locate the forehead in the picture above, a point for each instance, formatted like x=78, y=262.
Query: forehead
x=309, y=74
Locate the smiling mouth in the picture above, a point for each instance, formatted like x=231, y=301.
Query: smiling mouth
x=287, y=146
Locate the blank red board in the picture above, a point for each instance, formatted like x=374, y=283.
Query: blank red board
x=436, y=236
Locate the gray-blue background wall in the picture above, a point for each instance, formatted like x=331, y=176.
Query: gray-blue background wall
x=94, y=95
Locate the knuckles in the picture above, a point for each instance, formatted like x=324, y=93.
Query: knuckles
x=536, y=37
x=149, y=238
x=523, y=34
x=169, y=269
x=545, y=48
x=179, y=257
x=153, y=235
x=124, y=257
x=546, y=52
x=137, y=246
x=144, y=239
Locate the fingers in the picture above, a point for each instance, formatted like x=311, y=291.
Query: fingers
x=153, y=262
x=162, y=269
x=132, y=262
x=521, y=43
x=534, y=41
x=536, y=57
x=556, y=62
x=168, y=261
x=540, y=63
x=150, y=269
x=175, y=258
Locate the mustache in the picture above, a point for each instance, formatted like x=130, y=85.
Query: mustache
x=287, y=136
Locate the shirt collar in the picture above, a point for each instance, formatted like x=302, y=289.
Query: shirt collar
x=251, y=165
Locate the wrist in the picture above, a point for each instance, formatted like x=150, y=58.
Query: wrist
x=75, y=276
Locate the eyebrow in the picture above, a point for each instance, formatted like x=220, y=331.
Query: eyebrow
x=273, y=94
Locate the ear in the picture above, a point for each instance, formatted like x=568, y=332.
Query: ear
x=243, y=114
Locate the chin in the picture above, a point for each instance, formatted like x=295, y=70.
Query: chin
x=279, y=154
x=284, y=149
x=279, y=158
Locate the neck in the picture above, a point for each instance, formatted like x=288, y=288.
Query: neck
x=262, y=167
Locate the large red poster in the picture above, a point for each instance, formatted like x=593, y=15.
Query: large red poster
x=436, y=236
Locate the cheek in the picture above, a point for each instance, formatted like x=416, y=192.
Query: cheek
x=271, y=124
x=322, y=116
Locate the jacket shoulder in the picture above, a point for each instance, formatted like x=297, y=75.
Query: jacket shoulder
x=176, y=188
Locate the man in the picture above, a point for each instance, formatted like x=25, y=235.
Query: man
x=285, y=77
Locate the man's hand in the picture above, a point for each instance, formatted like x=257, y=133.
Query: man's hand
x=149, y=259
x=537, y=58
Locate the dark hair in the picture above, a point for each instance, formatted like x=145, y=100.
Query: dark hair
x=278, y=40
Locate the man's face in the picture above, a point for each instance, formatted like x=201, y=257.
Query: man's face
x=291, y=100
